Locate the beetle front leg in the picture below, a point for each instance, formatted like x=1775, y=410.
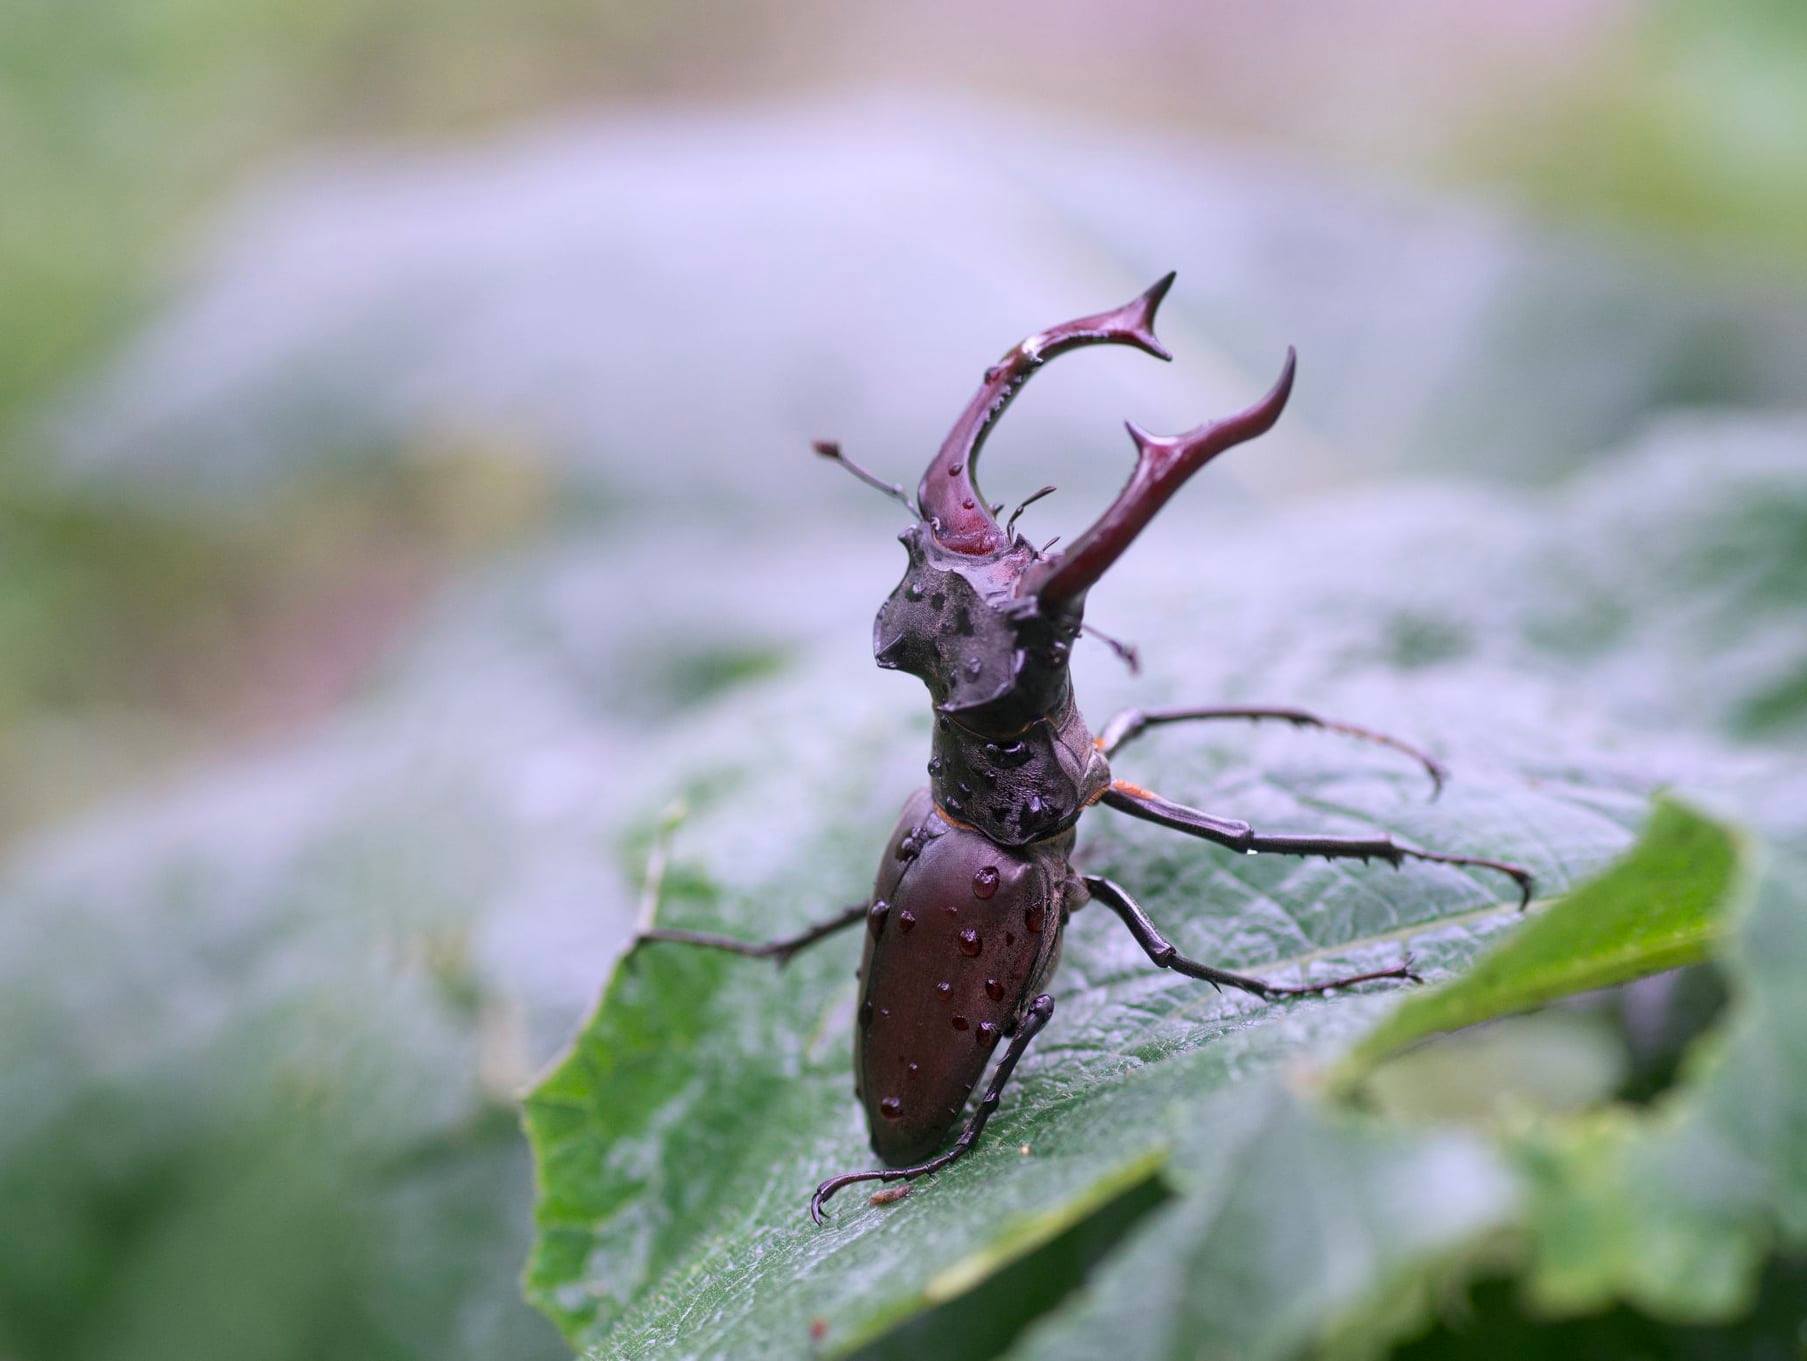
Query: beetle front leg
x=1239, y=836
x=1167, y=956
x=1133, y=722
x=1033, y=1020
x=781, y=949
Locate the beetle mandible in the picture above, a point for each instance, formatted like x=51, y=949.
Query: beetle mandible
x=963, y=928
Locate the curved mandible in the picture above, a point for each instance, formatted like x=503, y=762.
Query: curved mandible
x=948, y=496
x=1163, y=463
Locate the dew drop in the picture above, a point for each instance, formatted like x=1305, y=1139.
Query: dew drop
x=955, y=469
x=913, y=592
x=994, y=990
x=967, y=504
x=970, y=944
x=952, y=910
x=934, y=765
x=891, y=1107
x=961, y=1023
x=988, y=1034
x=944, y=987
x=974, y=666
x=985, y=882
x=876, y=917
x=912, y=1068
x=906, y=920
x=1033, y=918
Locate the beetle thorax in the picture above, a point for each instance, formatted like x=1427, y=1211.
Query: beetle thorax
x=1012, y=755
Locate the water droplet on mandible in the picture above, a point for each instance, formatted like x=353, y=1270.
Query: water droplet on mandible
x=970, y=944
x=985, y=882
x=891, y=1107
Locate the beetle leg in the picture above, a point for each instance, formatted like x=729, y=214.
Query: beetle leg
x=1132, y=722
x=1033, y=1020
x=781, y=949
x=1165, y=955
x=1239, y=836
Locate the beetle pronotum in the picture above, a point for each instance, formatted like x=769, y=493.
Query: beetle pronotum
x=964, y=924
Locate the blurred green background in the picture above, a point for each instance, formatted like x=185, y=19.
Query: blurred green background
x=402, y=417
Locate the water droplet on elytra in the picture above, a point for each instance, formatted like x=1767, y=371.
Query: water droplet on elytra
x=913, y=1068
x=944, y=987
x=934, y=765
x=988, y=1033
x=905, y=920
x=970, y=944
x=876, y=917
x=985, y=882
x=912, y=592
x=961, y=1023
x=1032, y=918
x=994, y=990
x=891, y=1107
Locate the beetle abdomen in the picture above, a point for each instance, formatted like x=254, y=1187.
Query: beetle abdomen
x=960, y=934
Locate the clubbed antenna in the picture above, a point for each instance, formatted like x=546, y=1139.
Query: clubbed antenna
x=1163, y=463
x=949, y=496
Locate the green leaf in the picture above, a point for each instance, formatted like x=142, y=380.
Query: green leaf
x=678, y=1141
x=1655, y=909
x=1676, y=1210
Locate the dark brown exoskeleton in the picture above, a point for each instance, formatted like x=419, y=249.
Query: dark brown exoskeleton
x=964, y=925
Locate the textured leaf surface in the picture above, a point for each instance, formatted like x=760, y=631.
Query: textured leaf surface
x=679, y=1139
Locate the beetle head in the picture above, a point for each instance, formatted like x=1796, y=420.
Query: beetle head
x=986, y=621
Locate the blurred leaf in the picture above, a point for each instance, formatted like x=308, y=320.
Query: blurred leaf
x=1676, y=1212
x=1655, y=909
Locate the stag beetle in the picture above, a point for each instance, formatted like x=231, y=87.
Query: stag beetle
x=963, y=928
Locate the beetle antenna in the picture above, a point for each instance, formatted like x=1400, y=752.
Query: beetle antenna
x=1126, y=652
x=831, y=450
x=1029, y=500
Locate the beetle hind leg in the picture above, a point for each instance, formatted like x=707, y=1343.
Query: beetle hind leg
x=1165, y=955
x=780, y=949
x=1033, y=1020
